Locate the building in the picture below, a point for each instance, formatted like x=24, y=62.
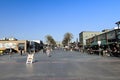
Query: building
x=109, y=41
x=110, y=37
x=14, y=44
x=59, y=44
x=86, y=35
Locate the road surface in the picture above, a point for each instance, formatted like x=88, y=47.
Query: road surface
x=62, y=65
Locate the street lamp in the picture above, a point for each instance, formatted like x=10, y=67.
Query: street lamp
x=118, y=24
x=99, y=43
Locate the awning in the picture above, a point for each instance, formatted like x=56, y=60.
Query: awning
x=94, y=43
x=103, y=42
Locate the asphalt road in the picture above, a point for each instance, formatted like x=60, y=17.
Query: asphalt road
x=62, y=65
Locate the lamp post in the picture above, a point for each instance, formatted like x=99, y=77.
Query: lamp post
x=99, y=43
x=118, y=24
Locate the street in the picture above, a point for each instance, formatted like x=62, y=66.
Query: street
x=62, y=65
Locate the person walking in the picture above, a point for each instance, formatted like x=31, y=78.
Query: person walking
x=21, y=52
x=48, y=50
x=10, y=53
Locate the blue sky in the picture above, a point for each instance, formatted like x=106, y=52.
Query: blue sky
x=34, y=19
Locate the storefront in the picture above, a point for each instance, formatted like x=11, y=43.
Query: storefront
x=14, y=44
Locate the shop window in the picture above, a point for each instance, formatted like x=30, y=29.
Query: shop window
x=21, y=46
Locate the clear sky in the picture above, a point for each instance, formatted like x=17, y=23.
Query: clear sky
x=34, y=19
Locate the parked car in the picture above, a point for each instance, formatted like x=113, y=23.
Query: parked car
x=8, y=50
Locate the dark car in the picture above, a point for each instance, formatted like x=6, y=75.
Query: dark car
x=8, y=50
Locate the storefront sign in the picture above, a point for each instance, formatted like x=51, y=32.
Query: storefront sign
x=30, y=59
x=8, y=45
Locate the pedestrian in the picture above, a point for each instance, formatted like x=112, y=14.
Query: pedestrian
x=115, y=51
x=44, y=50
x=48, y=51
x=10, y=53
x=109, y=52
x=21, y=52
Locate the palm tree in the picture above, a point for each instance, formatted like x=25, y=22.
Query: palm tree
x=50, y=40
x=67, y=38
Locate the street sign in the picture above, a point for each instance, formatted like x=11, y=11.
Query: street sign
x=30, y=59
